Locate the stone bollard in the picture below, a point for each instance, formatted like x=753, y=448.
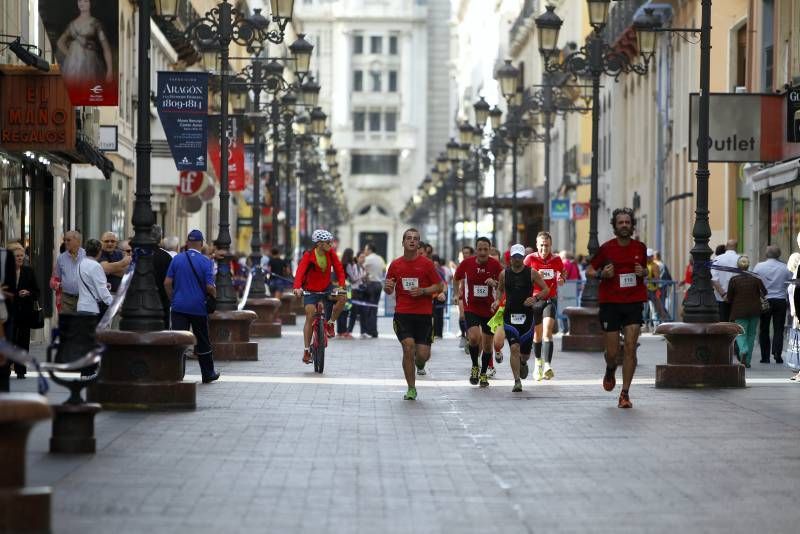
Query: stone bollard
x=22, y=509
x=288, y=313
x=230, y=335
x=144, y=371
x=266, y=323
x=585, y=334
x=700, y=355
x=73, y=428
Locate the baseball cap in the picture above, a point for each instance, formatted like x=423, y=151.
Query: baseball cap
x=195, y=235
x=517, y=250
x=650, y=252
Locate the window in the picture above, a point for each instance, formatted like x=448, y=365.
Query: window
x=373, y=164
x=358, y=80
x=741, y=57
x=392, y=81
x=376, y=44
x=374, y=121
x=358, y=44
x=358, y=121
x=393, y=45
x=376, y=81
x=390, y=121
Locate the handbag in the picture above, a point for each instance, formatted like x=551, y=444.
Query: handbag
x=211, y=300
x=766, y=307
x=791, y=351
x=36, y=318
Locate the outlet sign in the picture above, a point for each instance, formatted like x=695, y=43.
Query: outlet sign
x=793, y=115
x=743, y=127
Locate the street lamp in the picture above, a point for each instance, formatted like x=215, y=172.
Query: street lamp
x=481, y=108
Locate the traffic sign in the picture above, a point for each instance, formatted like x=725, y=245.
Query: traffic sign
x=559, y=209
x=580, y=210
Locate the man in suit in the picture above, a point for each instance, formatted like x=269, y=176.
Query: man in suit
x=161, y=260
x=7, y=275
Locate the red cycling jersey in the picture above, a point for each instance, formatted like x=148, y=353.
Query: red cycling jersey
x=624, y=287
x=409, y=274
x=311, y=277
x=551, y=268
x=478, y=296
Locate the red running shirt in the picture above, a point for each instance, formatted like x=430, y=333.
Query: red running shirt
x=478, y=296
x=550, y=269
x=624, y=286
x=408, y=274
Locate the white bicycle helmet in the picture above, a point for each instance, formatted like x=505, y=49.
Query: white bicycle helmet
x=321, y=235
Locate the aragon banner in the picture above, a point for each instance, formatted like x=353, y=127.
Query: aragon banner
x=235, y=140
x=85, y=37
x=182, y=106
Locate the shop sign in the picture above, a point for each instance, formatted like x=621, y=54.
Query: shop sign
x=793, y=115
x=35, y=111
x=235, y=140
x=182, y=106
x=743, y=127
x=580, y=211
x=191, y=183
x=107, y=141
x=559, y=209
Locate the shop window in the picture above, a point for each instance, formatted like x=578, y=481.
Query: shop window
x=385, y=164
x=780, y=219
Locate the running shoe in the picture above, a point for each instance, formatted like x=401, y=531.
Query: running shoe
x=538, y=372
x=517, y=387
x=624, y=400
x=411, y=394
x=523, y=370
x=421, y=371
x=306, y=356
x=462, y=341
x=609, y=380
x=548, y=372
x=473, y=375
x=330, y=329
x=498, y=357
x=491, y=372
x=484, y=381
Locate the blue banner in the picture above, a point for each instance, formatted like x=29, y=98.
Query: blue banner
x=182, y=106
x=559, y=209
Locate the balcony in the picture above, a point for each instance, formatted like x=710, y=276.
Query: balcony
x=521, y=26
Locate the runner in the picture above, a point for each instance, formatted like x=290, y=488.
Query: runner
x=621, y=265
x=416, y=280
x=516, y=283
x=466, y=253
x=314, y=275
x=477, y=277
x=552, y=270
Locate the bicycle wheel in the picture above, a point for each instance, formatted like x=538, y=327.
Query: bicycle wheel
x=319, y=350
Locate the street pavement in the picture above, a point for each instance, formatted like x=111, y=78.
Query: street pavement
x=273, y=447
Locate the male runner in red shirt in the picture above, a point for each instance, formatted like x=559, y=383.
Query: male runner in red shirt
x=552, y=270
x=415, y=279
x=621, y=265
x=477, y=278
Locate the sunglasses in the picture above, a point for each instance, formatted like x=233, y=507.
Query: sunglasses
x=127, y=250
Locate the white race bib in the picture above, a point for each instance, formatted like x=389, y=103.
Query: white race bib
x=547, y=274
x=518, y=318
x=627, y=280
x=410, y=283
x=480, y=291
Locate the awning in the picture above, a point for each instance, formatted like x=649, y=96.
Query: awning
x=526, y=198
x=774, y=176
x=95, y=157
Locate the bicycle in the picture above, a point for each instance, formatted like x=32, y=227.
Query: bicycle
x=319, y=338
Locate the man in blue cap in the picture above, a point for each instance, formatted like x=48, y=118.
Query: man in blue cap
x=190, y=278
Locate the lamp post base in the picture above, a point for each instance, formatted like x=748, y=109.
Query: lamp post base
x=585, y=334
x=230, y=335
x=73, y=428
x=700, y=355
x=266, y=323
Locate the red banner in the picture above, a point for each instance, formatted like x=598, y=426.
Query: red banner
x=235, y=138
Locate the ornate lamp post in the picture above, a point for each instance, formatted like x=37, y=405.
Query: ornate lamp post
x=454, y=157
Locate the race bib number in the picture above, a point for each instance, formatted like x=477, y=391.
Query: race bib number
x=518, y=318
x=627, y=280
x=410, y=283
x=547, y=274
x=480, y=291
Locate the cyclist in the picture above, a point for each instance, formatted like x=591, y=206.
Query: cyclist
x=516, y=283
x=415, y=279
x=477, y=277
x=552, y=270
x=312, y=281
x=621, y=266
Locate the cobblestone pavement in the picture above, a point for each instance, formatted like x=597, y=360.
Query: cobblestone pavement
x=275, y=448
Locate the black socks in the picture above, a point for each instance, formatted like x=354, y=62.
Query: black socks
x=486, y=357
x=537, y=350
x=462, y=325
x=473, y=353
x=548, y=351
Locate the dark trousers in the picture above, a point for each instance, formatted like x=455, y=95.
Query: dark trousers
x=777, y=315
x=356, y=313
x=198, y=324
x=5, y=369
x=341, y=322
x=372, y=296
x=724, y=311
x=438, y=321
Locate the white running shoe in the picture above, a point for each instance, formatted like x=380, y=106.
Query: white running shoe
x=491, y=372
x=538, y=372
x=548, y=372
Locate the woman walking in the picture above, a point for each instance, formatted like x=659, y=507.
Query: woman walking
x=744, y=296
x=25, y=291
x=357, y=275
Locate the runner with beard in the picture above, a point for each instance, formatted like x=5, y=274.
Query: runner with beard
x=516, y=283
x=621, y=265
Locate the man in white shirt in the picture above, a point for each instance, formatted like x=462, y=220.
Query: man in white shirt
x=721, y=278
x=775, y=275
x=92, y=284
x=376, y=269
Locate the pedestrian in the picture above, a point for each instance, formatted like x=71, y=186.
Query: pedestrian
x=161, y=261
x=723, y=268
x=653, y=276
x=744, y=296
x=440, y=300
x=24, y=304
x=356, y=274
x=466, y=253
x=189, y=282
x=415, y=280
x=348, y=258
x=171, y=245
x=375, y=267
x=792, y=353
x=516, y=284
x=570, y=266
x=776, y=275
x=279, y=274
x=114, y=262
x=621, y=266
x=66, y=271
x=94, y=297
x=7, y=270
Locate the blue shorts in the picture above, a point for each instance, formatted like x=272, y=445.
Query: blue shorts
x=313, y=298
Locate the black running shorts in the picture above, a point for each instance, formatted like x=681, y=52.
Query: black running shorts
x=614, y=316
x=415, y=326
x=473, y=319
x=544, y=308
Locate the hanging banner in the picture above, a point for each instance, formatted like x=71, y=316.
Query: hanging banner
x=182, y=106
x=235, y=140
x=85, y=38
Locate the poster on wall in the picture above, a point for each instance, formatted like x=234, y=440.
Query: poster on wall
x=85, y=37
x=235, y=140
x=182, y=106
